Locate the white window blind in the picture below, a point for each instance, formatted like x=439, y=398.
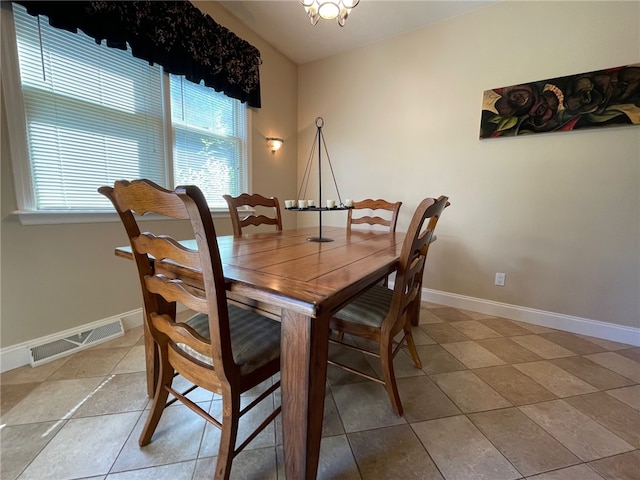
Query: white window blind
x=96, y=114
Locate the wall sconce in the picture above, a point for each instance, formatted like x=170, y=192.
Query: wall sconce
x=274, y=143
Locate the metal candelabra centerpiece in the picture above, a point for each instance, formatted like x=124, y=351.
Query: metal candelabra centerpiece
x=319, y=143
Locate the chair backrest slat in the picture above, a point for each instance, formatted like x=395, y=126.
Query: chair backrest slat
x=371, y=206
x=251, y=219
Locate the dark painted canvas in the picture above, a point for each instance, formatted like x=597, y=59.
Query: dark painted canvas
x=603, y=98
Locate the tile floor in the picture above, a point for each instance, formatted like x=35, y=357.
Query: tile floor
x=495, y=400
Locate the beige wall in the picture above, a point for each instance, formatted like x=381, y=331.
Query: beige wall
x=57, y=277
x=559, y=213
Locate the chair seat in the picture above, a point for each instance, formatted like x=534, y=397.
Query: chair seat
x=255, y=340
x=368, y=309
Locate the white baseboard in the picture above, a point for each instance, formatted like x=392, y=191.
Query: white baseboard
x=18, y=355
x=568, y=323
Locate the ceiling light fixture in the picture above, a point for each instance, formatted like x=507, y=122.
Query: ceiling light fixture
x=328, y=9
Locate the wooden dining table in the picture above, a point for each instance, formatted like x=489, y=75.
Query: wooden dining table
x=303, y=283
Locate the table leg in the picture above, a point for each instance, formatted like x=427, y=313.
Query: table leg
x=305, y=344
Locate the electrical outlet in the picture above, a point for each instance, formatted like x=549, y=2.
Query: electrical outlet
x=500, y=278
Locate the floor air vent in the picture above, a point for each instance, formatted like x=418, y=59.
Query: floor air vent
x=74, y=342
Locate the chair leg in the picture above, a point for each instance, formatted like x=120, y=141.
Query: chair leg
x=228, y=435
x=413, y=351
x=386, y=358
x=165, y=378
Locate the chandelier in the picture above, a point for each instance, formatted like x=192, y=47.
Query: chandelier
x=328, y=9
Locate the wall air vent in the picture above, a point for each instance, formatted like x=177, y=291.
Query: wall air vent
x=72, y=342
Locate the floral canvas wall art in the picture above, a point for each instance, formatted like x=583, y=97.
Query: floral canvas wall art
x=602, y=98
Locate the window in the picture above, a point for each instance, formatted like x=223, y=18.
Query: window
x=95, y=114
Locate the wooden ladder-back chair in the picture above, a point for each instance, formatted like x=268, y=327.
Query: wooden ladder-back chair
x=252, y=200
x=380, y=314
x=223, y=348
x=372, y=218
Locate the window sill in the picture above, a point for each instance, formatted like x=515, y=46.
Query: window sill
x=65, y=217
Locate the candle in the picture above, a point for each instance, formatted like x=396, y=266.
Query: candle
x=348, y=202
x=331, y=203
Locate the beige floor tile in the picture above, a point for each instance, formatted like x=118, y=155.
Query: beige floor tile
x=469, y=392
x=420, y=337
x=248, y=423
x=427, y=317
x=598, y=416
x=133, y=361
x=249, y=464
x=94, y=362
x=514, y=385
x=336, y=460
x=377, y=453
x=82, y=448
x=542, y=346
x=436, y=359
x=423, y=400
x=176, y=439
x=54, y=400
x=606, y=344
x=357, y=360
x=403, y=365
x=578, y=472
x=461, y=452
x=21, y=444
x=620, y=467
x=508, y=350
x=475, y=329
x=618, y=417
x=117, y=394
x=449, y=314
x=533, y=328
x=592, y=373
x=444, y=333
x=619, y=364
x=527, y=446
x=29, y=374
x=574, y=343
x=376, y=412
x=331, y=423
x=12, y=394
x=555, y=379
x=505, y=327
x=586, y=438
x=630, y=353
x=472, y=354
x=628, y=395
x=476, y=315
x=175, y=471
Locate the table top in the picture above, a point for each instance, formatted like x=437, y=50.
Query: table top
x=313, y=278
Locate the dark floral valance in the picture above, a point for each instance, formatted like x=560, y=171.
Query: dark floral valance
x=176, y=35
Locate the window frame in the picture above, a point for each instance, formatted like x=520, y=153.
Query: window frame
x=19, y=151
